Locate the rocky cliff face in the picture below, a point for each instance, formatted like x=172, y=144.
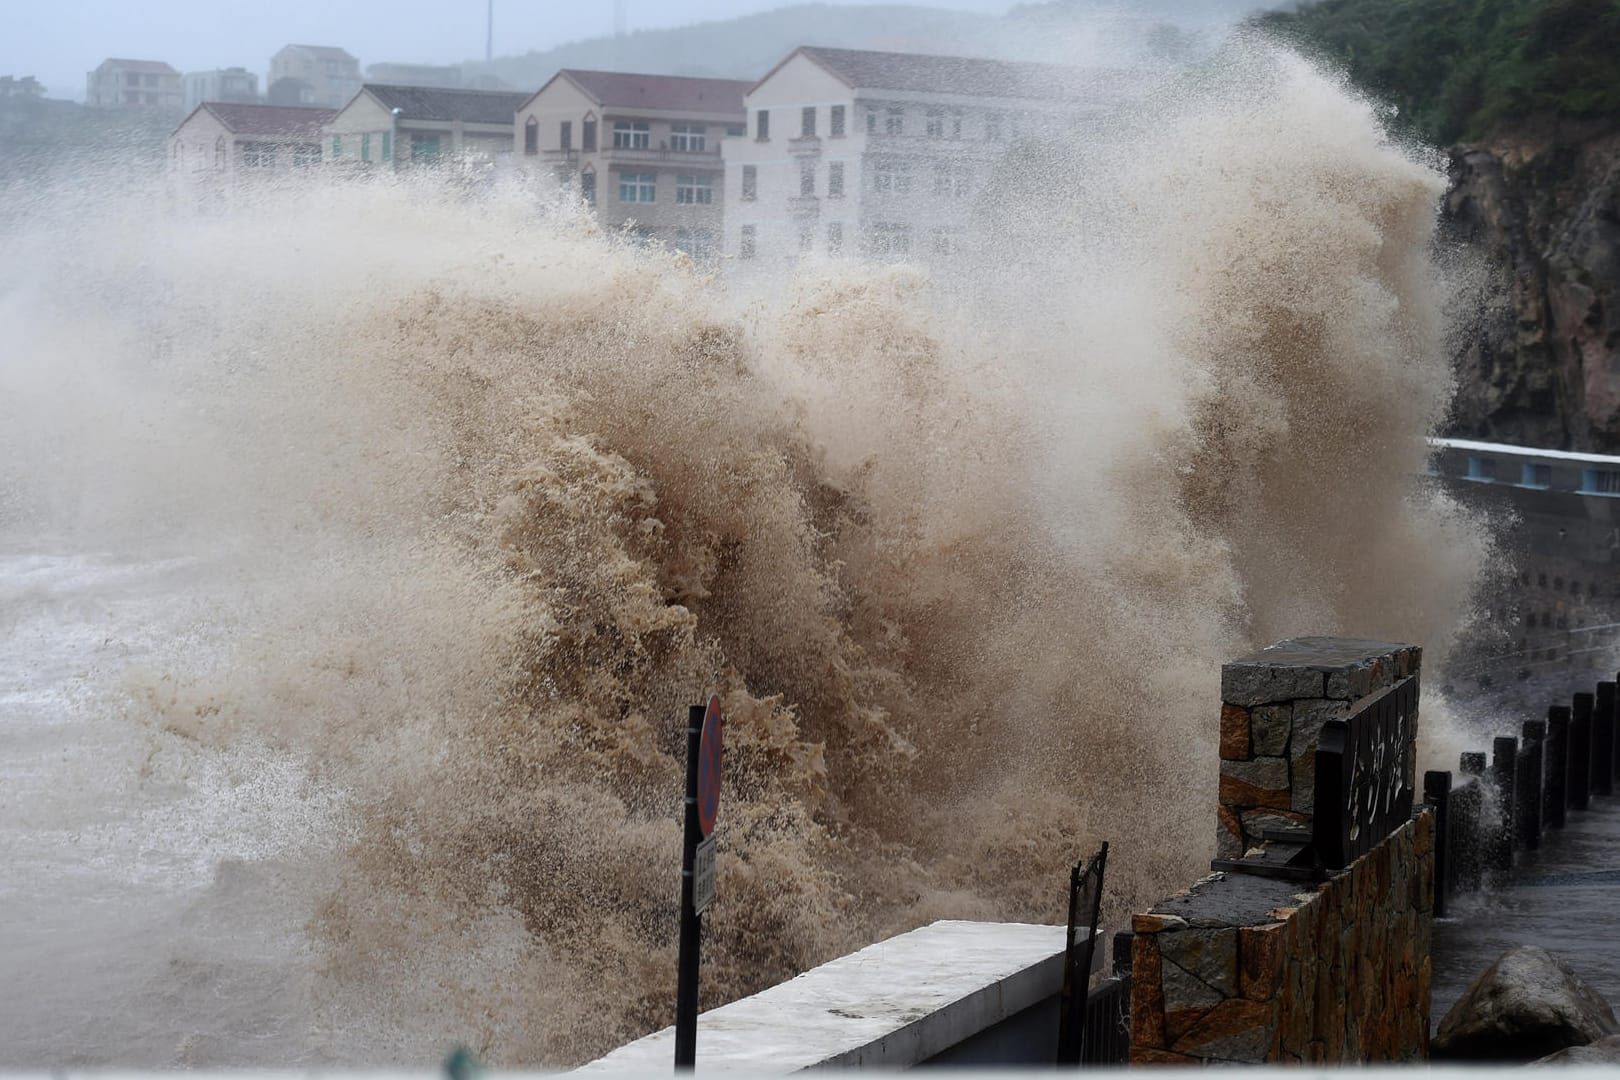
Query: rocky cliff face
x=1541, y=364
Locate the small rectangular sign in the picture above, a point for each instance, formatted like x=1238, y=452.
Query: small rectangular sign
x=703, y=876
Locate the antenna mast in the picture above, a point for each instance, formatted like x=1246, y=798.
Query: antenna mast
x=489, y=34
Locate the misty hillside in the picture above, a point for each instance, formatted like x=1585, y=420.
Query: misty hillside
x=747, y=47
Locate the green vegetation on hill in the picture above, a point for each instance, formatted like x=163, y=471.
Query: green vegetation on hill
x=1456, y=69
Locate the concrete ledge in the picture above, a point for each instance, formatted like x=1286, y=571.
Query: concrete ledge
x=891, y=1005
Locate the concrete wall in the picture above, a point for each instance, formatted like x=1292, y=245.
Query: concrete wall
x=948, y=993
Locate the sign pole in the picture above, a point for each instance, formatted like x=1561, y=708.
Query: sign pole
x=686, y=980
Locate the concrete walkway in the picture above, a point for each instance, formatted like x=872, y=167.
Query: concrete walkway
x=1564, y=897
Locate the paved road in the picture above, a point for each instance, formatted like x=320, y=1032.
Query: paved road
x=1564, y=897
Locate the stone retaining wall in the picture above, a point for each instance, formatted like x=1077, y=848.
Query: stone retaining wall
x=1273, y=705
x=1271, y=958
x=1248, y=969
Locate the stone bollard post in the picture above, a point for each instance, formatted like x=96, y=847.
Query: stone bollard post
x=1530, y=783
x=1556, y=766
x=1603, y=736
x=1580, y=752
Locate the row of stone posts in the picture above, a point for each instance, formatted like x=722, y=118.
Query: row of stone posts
x=1505, y=803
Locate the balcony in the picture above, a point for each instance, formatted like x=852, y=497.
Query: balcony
x=805, y=146
x=804, y=204
x=657, y=155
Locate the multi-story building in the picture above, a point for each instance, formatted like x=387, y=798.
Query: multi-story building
x=134, y=84
x=414, y=125
x=644, y=150
x=26, y=88
x=234, y=86
x=447, y=76
x=221, y=141
x=319, y=75
x=882, y=154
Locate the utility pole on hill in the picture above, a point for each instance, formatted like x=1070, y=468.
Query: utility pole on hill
x=489, y=34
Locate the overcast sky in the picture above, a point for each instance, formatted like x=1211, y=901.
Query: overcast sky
x=59, y=40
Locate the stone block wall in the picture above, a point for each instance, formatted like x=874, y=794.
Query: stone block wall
x=1247, y=968
x=1273, y=705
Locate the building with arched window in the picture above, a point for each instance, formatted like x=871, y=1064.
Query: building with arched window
x=220, y=143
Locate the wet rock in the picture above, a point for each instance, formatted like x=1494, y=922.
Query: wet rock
x=1525, y=1006
x=1602, y=1052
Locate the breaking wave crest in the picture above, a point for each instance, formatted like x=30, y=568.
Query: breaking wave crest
x=487, y=497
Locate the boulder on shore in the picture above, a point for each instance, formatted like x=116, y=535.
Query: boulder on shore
x=1527, y=1005
x=1602, y=1052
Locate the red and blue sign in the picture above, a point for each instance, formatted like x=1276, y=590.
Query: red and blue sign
x=708, y=784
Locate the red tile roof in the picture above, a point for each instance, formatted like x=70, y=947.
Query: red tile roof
x=270, y=119
x=676, y=93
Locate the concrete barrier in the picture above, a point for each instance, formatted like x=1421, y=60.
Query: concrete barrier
x=955, y=992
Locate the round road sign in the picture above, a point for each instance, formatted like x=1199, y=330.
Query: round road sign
x=708, y=786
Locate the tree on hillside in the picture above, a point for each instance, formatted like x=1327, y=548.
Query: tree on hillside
x=1457, y=68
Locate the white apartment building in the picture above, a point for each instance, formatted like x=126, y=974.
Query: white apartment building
x=644, y=150
x=323, y=76
x=236, y=86
x=882, y=154
x=134, y=84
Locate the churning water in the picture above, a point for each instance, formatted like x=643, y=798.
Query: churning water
x=362, y=543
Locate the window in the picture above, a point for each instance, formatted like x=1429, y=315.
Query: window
x=750, y=183
x=365, y=147
x=807, y=179
x=894, y=122
x=694, y=190
x=587, y=188
x=835, y=122
x=133, y=79
x=698, y=243
x=337, y=147
x=631, y=135
x=1482, y=468
x=956, y=123
x=388, y=146
x=835, y=237
x=992, y=126
x=891, y=176
x=219, y=151
x=871, y=119
x=735, y=130
x=945, y=242
x=637, y=187
x=951, y=181
x=762, y=125
x=565, y=135
x=936, y=123
x=424, y=148
x=889, y=238
x=1535, y=476
x=531, y=136
x=305, y=155
x=807, y=239
x=688, y=138
x=258, y=155
x=587, y=135
x=745, y=243
x=1600, y=482
x=807, y=121
x=835, y=180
